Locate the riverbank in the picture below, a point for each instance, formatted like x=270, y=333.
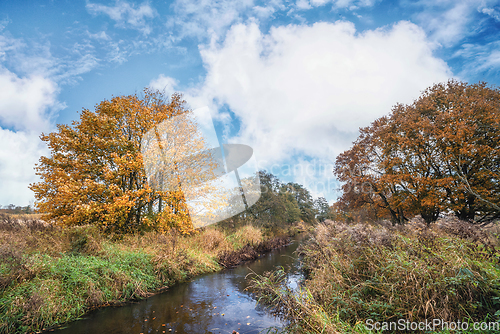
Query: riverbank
x=49, y=275
x=362, y=274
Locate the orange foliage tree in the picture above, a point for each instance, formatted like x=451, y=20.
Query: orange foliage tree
x=369, y=185
x=96, y=175
x=439, y=153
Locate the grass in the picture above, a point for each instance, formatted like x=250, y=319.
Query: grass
x=358, y=272
x=50, y=275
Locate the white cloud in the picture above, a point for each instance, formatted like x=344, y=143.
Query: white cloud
x=8, y=44
x=70, y=72
x=100, y=36
x=464, y=27
x=164, y=84
x=492, y=61
x=305, y=90
x=315, y=174
x=491, y=12
x=18, y=154
x=30, y=81
x=4, y=23
x=303, y=4
x=450, y=21
x=450, y=25
x=202, y=18
x=351, y=4
x=117, y=53
x=33, y=58
x=264, y=12
x=211, y=19
x=126, y=15
x=26, y=107
x=480, y=58
x=24, y=102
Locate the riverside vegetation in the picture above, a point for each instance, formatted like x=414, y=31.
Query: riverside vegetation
x=362, y=271
x=51, y=275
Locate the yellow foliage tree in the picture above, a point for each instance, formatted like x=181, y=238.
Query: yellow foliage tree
x=96, y=174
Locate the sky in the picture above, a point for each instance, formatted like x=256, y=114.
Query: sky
x=295, y=80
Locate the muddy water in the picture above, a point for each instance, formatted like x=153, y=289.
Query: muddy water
x=212, y=303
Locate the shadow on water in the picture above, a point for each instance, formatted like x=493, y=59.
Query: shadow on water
x=212, y=303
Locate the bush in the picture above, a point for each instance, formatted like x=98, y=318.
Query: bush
x=247, y=235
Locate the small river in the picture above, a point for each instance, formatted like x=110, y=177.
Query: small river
x=211, y=303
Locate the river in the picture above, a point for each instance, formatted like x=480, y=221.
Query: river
x=211, y=303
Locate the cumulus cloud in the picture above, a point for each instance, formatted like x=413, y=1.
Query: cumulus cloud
x=24, y=102
x=26, y=107
x=305, y=90
x=19, y=153
x=300, y=93
x=126, y=15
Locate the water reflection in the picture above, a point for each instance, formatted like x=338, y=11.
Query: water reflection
x=213, y=303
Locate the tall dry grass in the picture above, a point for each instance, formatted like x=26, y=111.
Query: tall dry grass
x=358, y=272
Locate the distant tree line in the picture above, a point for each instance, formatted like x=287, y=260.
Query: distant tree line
x=15, y=209
x=283, y=203
x=439, y=154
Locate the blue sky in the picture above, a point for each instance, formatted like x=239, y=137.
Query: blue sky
x=293, y=79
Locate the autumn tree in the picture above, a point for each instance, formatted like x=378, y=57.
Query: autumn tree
x=367, y=182
x=414, y=162
x=322, y=209
x=439, y=153
x=466, y=133
x=96, y=175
